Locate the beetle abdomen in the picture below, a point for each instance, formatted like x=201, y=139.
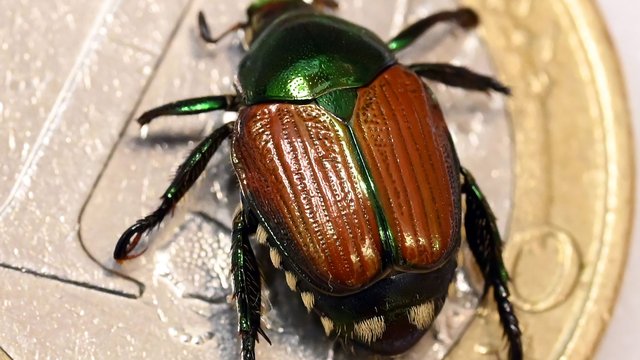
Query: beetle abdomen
x=400, y=130
x=299, y=171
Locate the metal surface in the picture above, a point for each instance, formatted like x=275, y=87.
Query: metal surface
x=75, y=173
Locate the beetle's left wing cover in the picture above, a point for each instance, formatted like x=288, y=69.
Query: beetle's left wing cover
x=301, y=173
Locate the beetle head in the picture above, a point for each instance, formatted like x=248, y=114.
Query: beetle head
x=262, y=13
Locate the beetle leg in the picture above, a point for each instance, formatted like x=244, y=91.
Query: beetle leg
x=246, y=283
x=485, y=244
x=186, y=176
x=463, y=17
x=205, y=33
x=459, y=76
x=192, y=106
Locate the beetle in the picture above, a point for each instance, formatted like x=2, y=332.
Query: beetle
x=347, y=172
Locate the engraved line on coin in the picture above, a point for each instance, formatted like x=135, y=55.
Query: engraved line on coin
x=67, y=281
x=534, y=245
x=121, y=136
x=4, y=355
x=53, y=118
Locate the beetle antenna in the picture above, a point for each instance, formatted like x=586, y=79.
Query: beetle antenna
x=205, y=33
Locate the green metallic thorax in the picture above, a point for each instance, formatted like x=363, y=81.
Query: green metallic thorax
x=303, y=55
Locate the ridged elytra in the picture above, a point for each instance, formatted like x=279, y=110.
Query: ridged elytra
x=348, y=172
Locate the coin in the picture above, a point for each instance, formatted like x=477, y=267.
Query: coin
x=78, y=173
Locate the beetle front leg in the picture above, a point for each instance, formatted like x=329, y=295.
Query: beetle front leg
x=192, y=106
x=459, y=76
x=246, y=283
x=186, y=176
x=485, y=244
x=463, y=17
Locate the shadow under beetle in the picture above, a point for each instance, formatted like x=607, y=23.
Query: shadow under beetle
x=348, y=172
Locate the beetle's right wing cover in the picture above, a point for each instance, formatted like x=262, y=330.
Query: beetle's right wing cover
x=402, y=134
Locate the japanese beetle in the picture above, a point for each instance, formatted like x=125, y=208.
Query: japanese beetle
x=347, y=172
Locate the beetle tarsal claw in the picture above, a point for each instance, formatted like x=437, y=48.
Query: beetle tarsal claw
x=129, y=240
x=308, y=299
x=422, y=315
x=370, y=330
x=275, y=257
x=327, y=324
x=291, y=280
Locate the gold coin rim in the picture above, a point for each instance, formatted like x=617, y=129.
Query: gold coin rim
x=620, y=162
x=608, y=84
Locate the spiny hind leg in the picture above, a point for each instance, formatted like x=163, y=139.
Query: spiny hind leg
x=246, y=283
x=486, y=245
